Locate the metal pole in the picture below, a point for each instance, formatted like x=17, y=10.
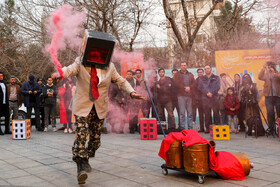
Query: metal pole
x=154, y=108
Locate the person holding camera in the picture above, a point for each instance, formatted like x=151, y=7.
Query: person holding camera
x=271, y=91
x=249, y=100
x=50, y=92
x=31, y=91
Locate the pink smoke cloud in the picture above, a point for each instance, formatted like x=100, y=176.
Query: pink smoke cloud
x=64, y=27
x=135, y=60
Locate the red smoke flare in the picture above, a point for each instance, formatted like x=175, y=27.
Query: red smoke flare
x=64, y=27
x=58, y=34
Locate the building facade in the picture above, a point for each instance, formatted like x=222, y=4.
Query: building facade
x=197, y=9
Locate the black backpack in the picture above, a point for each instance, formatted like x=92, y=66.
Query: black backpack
x=255, y=126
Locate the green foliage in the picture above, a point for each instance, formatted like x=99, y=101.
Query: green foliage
x=232, y=24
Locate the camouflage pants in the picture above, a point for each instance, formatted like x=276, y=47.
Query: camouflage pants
x=90, y=125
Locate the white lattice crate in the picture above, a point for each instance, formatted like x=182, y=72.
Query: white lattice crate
x=21, y=129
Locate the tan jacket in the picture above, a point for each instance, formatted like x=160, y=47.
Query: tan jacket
x=81, y=103
x=223, y=90
x=264, y=76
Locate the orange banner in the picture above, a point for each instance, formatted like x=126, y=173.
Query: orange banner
x=242, y=62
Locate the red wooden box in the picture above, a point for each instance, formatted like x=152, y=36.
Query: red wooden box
x=148, y=128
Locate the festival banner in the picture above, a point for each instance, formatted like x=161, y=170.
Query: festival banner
x=244, y=61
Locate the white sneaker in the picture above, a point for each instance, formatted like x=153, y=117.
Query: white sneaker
x=65, y=130
x=46, y=129
x=54, y=129
x=70, y=130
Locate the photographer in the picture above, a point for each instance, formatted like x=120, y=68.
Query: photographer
x=31, y=91
x=271, y=91
x=249, y=100
x=50, y=92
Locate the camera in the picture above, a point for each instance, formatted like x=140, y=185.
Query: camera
x=270, y=64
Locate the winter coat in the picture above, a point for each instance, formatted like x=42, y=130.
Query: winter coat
x=50, y=100
x=82, y=103
x=63, y=119
x=26, y=87
x=197, y=92
x=237, y=89
x=264, y=75
x=211, y=84
x=164, y=93
x=223, y=90
x=19, y=100
x=3, y=107
x=231, y=102
x=180, y=86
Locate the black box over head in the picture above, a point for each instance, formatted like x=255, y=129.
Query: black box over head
x=97, y=49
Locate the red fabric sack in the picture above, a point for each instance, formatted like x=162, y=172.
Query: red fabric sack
x=225, y=164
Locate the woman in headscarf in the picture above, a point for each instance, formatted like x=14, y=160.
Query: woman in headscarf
x=237, y=91
x=65, y=93
x=250, y=98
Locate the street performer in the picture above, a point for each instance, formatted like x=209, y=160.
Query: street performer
x=94, y=74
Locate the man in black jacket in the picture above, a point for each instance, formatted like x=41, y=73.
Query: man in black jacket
x=185, y=82
x=209, y=85
x=4, y=105
x=49, y=93
x=164, y=92
x=197, y=98
x=31, y=91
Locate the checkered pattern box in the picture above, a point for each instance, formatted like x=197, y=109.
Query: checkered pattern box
x=148, y=128
x=219, y=132
x=21, y=129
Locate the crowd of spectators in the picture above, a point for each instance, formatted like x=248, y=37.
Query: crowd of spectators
x=216, y=100
x=38, y=97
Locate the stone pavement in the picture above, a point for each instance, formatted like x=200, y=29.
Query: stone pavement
x=124, y=160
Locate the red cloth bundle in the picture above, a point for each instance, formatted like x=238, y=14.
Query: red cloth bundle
x=225, y=164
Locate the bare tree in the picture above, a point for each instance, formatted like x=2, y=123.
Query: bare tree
x=122, y=18
x=187, y=20
x=191, y=22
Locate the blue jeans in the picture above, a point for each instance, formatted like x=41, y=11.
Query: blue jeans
x=270, y=103
x=233, y=118
x=185, y=103
x=224, y=119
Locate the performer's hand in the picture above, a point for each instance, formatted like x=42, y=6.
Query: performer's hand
x=137, y=96
x=209, y=94
x=271, y=70
x=55, y=76
x=187, y=89
x=158, y=86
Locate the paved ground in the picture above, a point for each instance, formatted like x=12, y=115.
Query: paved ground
x=123, y=160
